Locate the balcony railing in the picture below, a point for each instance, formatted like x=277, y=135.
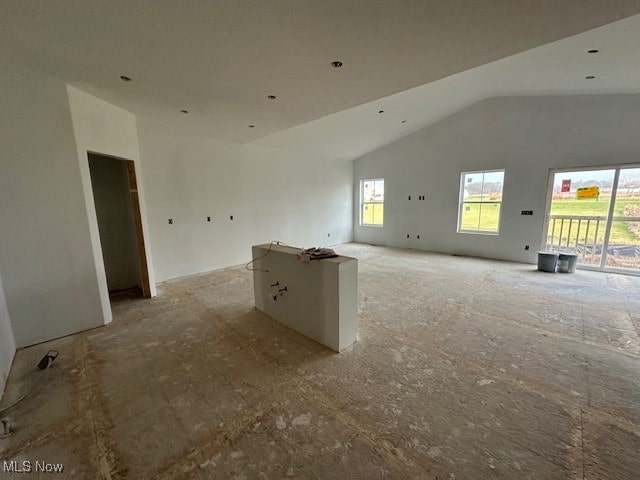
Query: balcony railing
x=585, y=236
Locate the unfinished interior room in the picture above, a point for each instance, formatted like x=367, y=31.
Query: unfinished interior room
x=320, y=239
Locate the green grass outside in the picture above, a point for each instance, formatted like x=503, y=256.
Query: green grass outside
x=480, y=217
x=372, y=213
x=622, y=233
x=485, y=217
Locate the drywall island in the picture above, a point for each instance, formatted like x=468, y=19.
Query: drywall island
x=316, y=298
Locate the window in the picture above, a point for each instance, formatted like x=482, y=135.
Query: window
x=372, y=202
x=480, y=202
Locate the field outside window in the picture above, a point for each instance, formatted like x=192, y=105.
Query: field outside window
x=372, y=202
x=480, y=202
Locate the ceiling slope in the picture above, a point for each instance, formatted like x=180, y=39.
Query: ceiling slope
x=219, y=60
x=558, y=68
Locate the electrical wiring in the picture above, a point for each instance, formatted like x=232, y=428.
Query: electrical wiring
x=4, y=409
x=273, y=242
x=45, y=363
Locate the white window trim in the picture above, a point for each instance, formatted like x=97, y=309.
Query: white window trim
x=461, y=203
x=362, y=202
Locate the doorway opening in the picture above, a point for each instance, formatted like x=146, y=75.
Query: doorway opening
x=115, y=194
x=595, y=213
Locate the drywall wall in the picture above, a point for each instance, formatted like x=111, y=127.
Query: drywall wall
x=271, y=194
x=110, y=182
x=7, y=342
x=527, y=136
x=46, y=257
x=100, y=127
x=318, y=298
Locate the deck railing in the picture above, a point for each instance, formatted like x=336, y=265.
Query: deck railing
x=585, y=236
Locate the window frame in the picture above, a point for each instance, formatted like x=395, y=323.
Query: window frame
x=362, y=203
x=461, y=202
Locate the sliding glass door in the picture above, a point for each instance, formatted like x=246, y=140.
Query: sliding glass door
x=596, y=214
x=623, y=247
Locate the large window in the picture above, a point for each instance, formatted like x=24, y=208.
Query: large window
x=372, y=202
x=480, y=202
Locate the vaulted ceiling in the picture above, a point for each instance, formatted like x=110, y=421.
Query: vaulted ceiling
x=220, y=60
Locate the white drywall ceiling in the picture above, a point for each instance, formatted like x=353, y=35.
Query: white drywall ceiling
x=220, y=60
x=558, y=68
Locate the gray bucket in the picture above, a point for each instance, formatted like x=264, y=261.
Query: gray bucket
x=567, y=262
x=547, y=261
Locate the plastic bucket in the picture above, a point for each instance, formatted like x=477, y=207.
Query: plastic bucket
x=567, y=262
x=547, y=261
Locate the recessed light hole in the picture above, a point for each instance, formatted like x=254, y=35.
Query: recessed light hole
x=593, y=51
x=185, y=111
x=380, y=111
x=124, y=78
x=252, y=126
x=271, y=97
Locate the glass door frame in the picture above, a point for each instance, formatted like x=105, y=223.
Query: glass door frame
x=610, y=214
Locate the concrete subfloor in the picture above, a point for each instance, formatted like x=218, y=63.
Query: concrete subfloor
x=465, y=369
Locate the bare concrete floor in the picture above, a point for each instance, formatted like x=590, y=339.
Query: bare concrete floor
x=465, y=369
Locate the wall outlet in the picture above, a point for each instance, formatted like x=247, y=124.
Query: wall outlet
x=418, y=236
x=328, y=234
x=526, y=247
x=409, y=197
x=230, y=217
x=171, y=221
x=408, y=235
x=208, y=219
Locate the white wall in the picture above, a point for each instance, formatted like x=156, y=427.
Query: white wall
x=103, y=128
x=272, y=194
x=50, y=253
x=110, y=185
x=527, y=136
x=7, y=342
x=45, y=250
x=321, y=297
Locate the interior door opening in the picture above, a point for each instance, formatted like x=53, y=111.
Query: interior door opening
x=596, y=214
x=115, y=195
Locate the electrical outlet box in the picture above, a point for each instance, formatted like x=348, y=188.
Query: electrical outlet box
x=527, y=212
x=526, y=247
x=208, y=219
x=171, y=221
